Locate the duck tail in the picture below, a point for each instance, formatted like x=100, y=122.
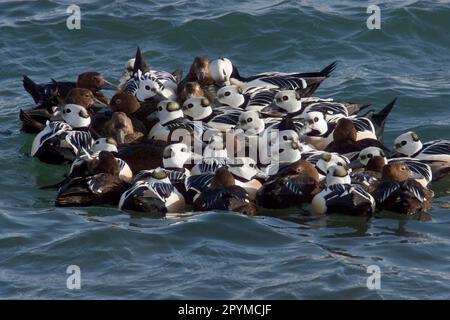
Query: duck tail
x=28, y=123
x=32, y=88
x=139, y=62
x=54, y=186
x=379, y=118
x=325, y=72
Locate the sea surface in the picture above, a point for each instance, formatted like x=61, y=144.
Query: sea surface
x=221, y=255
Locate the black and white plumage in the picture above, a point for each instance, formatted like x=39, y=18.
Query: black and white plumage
x=418, y=167
x=152, y=195
x=407, y=197
x=346, y=199
x=57, y=143
x=158, y=85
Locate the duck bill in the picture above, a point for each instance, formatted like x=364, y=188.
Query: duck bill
x=108, y=86
x=201, y=74
x=120, y=136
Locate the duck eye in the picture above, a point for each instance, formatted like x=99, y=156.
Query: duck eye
x=118, y=101
x=160, y=108
x=316, y=119
x=285, y=98
x=227, y=93
x=190, y=106
x=363, y=157
x=403, y=143
x=68, y=110
x=281, y=150
x=249, y=119
x=147, y=87
x=183, y=149
x=97, y=142
x=340, y=164
x=285, y=138
x=370, y=156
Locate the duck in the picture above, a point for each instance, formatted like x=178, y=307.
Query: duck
x=34, y=119
x=152, y=193
x=399, y=193
x=279, y=156
x=292, y=103
x=435, y=153
x=224, y=194
x=103, y=187
x=172, y=126
x=199, y=72
x=190, y=89
x=293, y=185
x=345, y=139
x=370, y=176
x=221, y=70
x=80, y=166
x=323, y=160
x=137, y=112
x=341, y=197
x=250, y=98
x=150, y=85
x=422, y=169
x=246, y=175
x=121, y=128
x=61, y=141
x=308, y=82
x=214, y=155
x=142, y=155
x=198, y=109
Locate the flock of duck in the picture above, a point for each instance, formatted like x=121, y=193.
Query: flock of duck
x=216, y=140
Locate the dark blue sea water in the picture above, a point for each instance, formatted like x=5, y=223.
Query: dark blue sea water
x=224, y=255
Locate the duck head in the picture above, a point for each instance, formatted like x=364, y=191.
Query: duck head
x=199, y=69
x=94, y=81
x=176, y=155
x=124, y=102
x=222, y=178
x=397, y=171
x=105, y=163
x=288, y=100
x=315, y=121
x=337, y=175
x=74, y=115
x=376, y=164
x=304, y=168
x=369, y=153
x=81, y=96
x=216, y=147
x=287, y=152
x=197, y=108
x=328, y=160
x=251, y=123
x=408, y=143
x=244, y=167
x=168, y=110
x=221, y=70
x=104, y=144
x=119, y=126
x=231, y=96
x=345, y=131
